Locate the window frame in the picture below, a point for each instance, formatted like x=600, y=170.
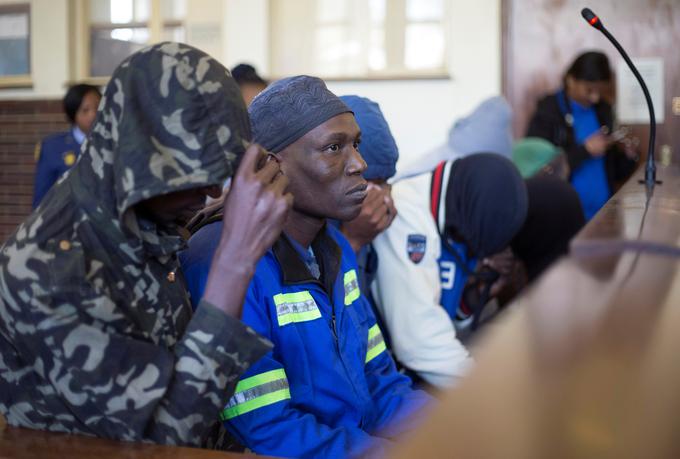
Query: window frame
x=81, y=33
x=22, y=80
x=395, y=25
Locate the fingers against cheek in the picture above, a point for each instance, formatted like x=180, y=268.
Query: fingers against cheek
x=373, y=202
x=279, y=184
x=385, y=222
x=388, y=203
x=289, y=200
x=392, y=214
x=269, y=171
x=251, y=159
x=379, y=215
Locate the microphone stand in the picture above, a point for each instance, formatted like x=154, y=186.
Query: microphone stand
x=650, y=169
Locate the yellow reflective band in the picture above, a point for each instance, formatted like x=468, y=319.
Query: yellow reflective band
x=295, y=307
x=260, y=379
x=376, y=343
x=351, y=287
x=256, y=392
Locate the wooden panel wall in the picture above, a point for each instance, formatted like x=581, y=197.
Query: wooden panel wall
x=542, y=37
x=22, y=125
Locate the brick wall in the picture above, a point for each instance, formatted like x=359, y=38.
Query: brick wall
x=22, y=125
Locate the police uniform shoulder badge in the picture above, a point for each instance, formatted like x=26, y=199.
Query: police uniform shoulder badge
x=415, y=247
x=36, y=151
x=69, y=158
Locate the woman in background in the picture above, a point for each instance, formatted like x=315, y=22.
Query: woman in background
x=579, y=120
x=58, y=152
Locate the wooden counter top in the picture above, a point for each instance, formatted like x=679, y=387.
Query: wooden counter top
x=620, y=221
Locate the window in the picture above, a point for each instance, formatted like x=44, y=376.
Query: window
x=359, y=38
x=424, y=35
x=118, y=28
x=15, y=45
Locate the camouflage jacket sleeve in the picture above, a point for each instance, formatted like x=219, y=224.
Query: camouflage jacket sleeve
x=208, y=361
x=92, y=378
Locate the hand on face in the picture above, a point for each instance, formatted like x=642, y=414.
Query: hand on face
x=505, y=264
x=254, y=210
x=377, y=213
x=502, y=262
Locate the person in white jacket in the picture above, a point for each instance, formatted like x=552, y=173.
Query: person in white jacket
x=475, y=205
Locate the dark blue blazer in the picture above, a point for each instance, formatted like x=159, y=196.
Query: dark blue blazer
x=57, y=153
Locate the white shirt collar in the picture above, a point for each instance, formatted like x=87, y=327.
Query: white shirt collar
x=78, y=135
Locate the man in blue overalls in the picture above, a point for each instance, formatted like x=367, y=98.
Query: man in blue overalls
x=328, y=388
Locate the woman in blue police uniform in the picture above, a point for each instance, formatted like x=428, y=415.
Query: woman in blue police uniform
x=329, y=388
x=58, y=152
x=579, y=120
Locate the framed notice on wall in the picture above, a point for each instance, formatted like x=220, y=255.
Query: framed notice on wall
x=631, y=106
x=15, y=45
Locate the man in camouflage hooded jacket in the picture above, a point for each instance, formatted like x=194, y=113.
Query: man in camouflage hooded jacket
x=96, y=331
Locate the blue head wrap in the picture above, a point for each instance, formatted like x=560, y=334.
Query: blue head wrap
x=377, y=144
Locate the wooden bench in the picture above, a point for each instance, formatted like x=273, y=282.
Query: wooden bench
x=586, y=363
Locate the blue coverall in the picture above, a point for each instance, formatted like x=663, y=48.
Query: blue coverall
x=328, y=388
x=55, y=155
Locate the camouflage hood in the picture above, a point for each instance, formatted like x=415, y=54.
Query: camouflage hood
x=171, y=119
x=97, y=334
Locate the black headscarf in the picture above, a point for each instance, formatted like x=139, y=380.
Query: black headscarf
x=486, y=202
x=554, y=217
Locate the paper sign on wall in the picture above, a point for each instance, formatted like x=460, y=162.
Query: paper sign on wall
x=630, y=100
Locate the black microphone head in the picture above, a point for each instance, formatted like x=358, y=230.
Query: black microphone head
x=591, y=18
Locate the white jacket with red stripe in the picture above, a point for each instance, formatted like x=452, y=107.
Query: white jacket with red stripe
x=408, y=293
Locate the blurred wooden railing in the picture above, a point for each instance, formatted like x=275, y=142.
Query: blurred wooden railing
x=17, y=443
x=586, y=363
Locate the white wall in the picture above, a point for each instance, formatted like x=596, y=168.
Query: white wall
x=205, y=25
x=420, y=112
x=246, y=37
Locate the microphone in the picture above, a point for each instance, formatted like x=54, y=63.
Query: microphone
x=650, y=169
